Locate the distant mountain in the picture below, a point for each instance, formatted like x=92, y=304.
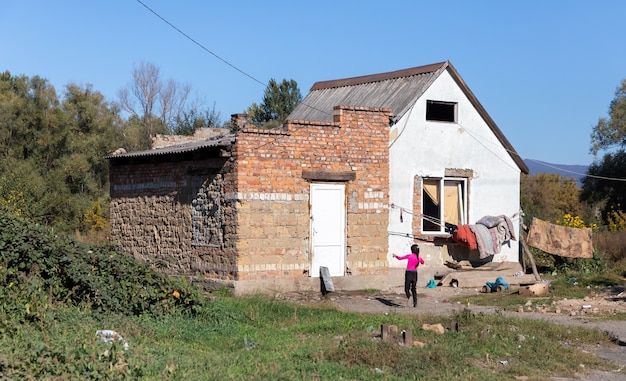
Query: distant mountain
x=578, y=172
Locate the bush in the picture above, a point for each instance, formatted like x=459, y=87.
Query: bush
x=39, y=269
x=612, y=244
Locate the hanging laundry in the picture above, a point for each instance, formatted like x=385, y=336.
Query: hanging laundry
x=560, y=240
x=486, y=240
x=465, y=236
x=487, y=235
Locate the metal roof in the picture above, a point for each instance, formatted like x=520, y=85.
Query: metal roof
x=396, y=90
x=179, y=148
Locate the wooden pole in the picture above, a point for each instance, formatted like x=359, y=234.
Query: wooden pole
x=529, y=254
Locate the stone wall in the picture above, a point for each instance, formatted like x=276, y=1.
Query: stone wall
x=174, y=215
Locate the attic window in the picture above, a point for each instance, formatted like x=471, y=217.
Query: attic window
x=441, y=111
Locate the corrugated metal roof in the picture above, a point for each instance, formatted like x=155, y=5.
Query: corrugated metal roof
x=180, y=148
x=396, y=90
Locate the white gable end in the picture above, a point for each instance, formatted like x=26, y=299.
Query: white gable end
x=465, y=148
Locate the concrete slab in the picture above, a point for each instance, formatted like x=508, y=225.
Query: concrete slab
x=479, y=276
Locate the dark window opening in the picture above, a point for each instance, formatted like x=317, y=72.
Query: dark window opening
x=441, y=111
x=431, y=220
x=444, y=200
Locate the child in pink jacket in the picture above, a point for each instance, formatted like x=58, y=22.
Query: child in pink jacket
x=410, y=275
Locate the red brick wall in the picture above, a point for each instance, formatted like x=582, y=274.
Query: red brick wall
x=273, y=209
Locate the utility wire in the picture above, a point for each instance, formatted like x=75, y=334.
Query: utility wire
x=576, y=173
x=200, y=45
x=214, y=54
x=481, y=142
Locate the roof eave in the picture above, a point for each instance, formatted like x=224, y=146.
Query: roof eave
x=176, y=149
x=490, y=122
x=378, y=77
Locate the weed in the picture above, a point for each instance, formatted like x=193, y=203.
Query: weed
x=371, y=291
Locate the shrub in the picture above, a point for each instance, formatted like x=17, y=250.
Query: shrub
x=612, y=244
x=39, y=268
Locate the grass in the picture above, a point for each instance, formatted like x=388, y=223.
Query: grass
x=292, y=342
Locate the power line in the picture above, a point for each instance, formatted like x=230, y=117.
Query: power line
x=325, y=112
x=480, y=141
x=200, y=45
x=576, y=173
x=217, y=56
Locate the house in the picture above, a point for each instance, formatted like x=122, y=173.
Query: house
x=361, y=169
x=449, y=161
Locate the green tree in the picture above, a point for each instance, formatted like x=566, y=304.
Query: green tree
x=189, y=121
x=53, y=149
x=602, y=188
x=611, y=132
x=605, y=186
x=279, y=100
x=549, y=197
x=94, y=126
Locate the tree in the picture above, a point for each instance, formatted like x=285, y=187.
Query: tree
x=605, y=186
x=157, y=105
x=549, y=197
x=189, y=121
x=53, y=149
x=279, y=100
x=602, y=188
x=94, y=126
x=611, y=132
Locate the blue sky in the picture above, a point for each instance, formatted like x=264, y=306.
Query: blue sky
x=544, y=70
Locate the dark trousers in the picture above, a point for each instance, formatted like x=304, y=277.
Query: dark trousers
x=410, y=284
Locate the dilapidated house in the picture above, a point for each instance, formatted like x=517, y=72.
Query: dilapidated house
x=361, y=169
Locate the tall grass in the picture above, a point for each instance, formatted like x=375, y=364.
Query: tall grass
x=613, y=246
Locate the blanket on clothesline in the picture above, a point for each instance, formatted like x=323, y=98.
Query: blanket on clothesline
x=486, y=240
x=502, y=224
x=489, y=234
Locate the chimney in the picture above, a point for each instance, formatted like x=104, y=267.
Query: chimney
x=240, y=121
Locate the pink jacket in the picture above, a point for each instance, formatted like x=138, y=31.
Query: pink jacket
x=413, y=262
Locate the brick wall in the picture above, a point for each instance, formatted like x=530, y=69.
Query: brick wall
x=272, y=196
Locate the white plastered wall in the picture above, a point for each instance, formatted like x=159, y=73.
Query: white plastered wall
x=423, y=148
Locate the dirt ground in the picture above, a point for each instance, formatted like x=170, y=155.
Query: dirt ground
x=584, y=312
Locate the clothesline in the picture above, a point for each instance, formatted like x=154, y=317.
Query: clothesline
x=428, y=218
x=408, y=235
x=433, y=219
x=487, y=235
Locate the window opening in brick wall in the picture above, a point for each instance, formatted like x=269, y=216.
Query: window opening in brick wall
x=206, y=212
x=444, y=200
x=440, y=111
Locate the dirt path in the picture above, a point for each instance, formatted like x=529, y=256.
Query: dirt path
x=438, y=301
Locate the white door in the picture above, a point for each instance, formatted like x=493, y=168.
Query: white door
x=328, y=228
